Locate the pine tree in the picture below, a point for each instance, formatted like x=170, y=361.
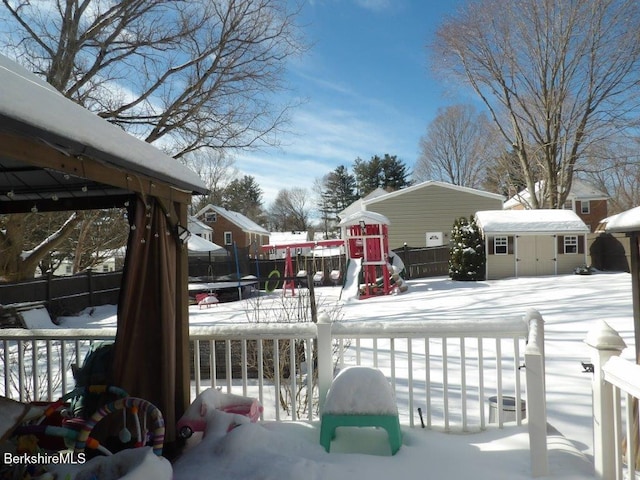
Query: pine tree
x=467, y=257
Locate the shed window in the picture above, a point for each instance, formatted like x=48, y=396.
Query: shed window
x=228, y=238
x=571, y=244
x=501, y=245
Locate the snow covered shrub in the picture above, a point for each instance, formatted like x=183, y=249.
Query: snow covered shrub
x=466, y=256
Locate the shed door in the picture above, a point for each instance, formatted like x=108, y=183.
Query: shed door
x=536, y=255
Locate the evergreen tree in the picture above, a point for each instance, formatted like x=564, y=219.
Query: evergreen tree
x=467, y=257
x=387, y=172
x=244, y=195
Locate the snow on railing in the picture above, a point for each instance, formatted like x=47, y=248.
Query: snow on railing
x=616, y=390
x=448, y=370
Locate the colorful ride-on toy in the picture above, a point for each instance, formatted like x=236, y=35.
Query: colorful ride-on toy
x=211, y=400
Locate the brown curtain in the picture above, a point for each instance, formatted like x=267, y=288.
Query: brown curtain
x=146, y=346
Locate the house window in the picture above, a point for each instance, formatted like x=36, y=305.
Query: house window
x=500, y=245
x=228, y=238
x=67, y=269
x=210, y=217
x=571, y=244
x=585, y=207
x=105, y=268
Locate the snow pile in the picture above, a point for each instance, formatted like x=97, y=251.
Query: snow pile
x=37, y=318
x=360, y=390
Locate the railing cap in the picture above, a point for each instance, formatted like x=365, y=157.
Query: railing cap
x=324, y=318
x=603, y=337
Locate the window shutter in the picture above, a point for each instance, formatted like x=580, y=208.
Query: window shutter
x=580, y=243
x=510, y=245
x=492, y=245
x=560, y=244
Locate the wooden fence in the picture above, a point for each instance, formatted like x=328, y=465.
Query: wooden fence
x=63, y=295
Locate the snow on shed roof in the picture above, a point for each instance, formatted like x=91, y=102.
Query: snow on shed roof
x=530, y=221
x=627, y=221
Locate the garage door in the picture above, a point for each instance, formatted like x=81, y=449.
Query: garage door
x=536, y=255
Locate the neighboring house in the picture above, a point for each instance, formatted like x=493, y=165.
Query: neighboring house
x=586, y=200
x=231, y=227
x=66, y=267
x=423, y=214
x=199, y=228
x=200, y=243
x=289, y=239
x=526, y=243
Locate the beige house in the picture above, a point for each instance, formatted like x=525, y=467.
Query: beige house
x=423, y=214
x=527, y=243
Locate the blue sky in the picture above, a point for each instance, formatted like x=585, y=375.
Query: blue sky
x=366, y=86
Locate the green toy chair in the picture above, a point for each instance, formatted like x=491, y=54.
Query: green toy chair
x=360, y=397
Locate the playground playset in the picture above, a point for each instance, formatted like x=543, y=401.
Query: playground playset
x=371, y=269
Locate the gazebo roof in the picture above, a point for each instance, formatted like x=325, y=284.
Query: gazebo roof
x=33, y=113
x=625, y=222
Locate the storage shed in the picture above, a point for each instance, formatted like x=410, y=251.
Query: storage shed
x=526, y=243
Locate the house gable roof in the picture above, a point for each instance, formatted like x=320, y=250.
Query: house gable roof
x=379, y=195
x=542, y=221
x=236, y=218
x=580, y=190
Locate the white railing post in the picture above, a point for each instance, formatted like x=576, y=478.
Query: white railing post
x=536, y=394
x=606, y=343
x=325, y=358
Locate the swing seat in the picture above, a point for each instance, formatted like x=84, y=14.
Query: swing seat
x=335, y=276
x=318, y=278
x=360, y=397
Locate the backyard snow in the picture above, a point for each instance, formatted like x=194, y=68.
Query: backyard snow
x=570, y=306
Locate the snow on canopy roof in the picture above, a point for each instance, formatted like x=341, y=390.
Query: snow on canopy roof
x=28, y=105
x=530, y=221
x=627, y=221
x=366, y=216
x=202, y=245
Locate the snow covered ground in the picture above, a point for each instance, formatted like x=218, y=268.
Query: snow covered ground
x=570, y=306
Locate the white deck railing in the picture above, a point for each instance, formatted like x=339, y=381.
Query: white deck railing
x=616, y=390
x=448, y=370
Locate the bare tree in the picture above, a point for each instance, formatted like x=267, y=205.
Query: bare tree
x=197, y=73
x=290, y=210
x=217, y=169
x=616, y=171
x=183, y=75
x=457, y=147
x=558, y=77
